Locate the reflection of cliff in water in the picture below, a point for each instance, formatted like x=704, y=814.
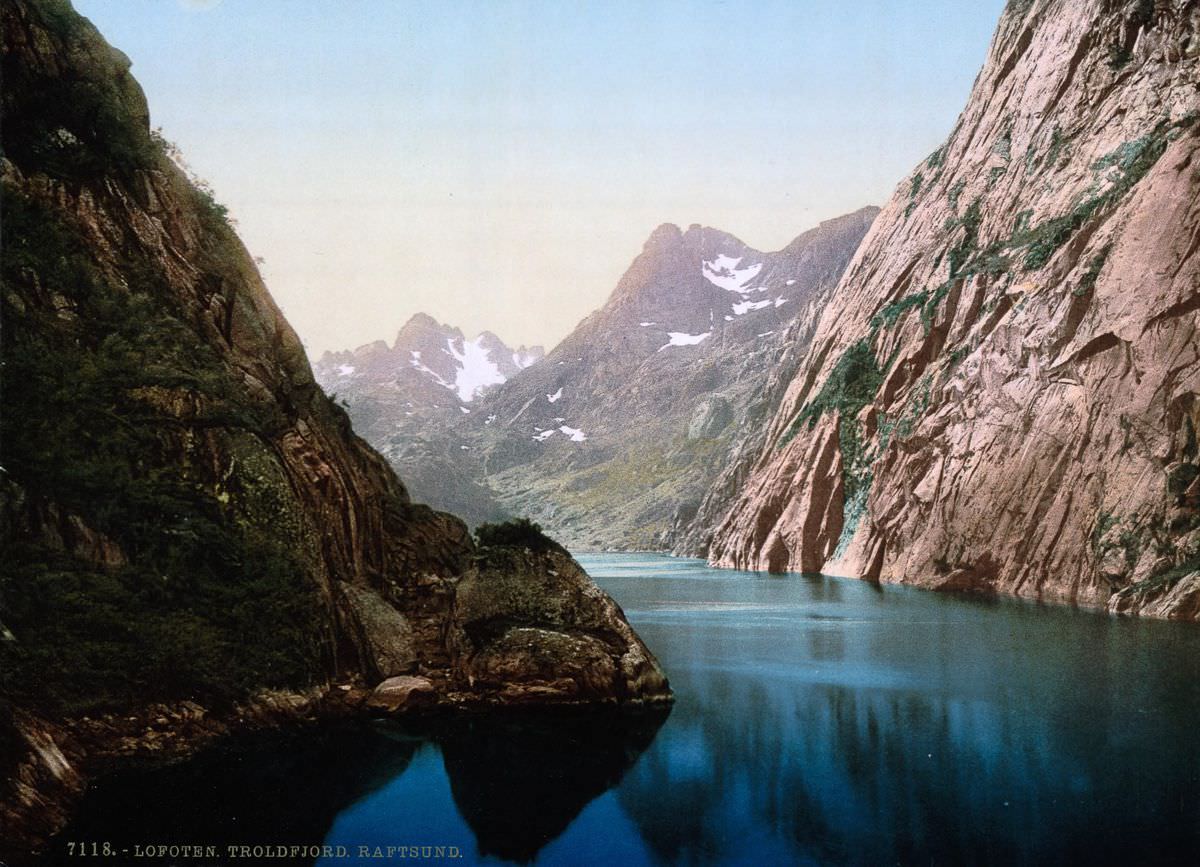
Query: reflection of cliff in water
x=829, y=759
x=268, y=788
x=519, y=781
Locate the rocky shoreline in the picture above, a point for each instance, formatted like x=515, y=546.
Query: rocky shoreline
x=62, y=757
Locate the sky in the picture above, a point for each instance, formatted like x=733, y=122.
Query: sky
x=499, y=164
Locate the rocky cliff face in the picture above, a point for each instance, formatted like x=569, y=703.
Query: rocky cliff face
x=612, y=440
x=413, y=401
x=1002, y=391
x=184, y=513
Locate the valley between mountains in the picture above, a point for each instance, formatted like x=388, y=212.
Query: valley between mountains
x=612, y=439
x=989, y=385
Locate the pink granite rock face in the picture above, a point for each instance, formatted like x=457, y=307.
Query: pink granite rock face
x=1030, y=299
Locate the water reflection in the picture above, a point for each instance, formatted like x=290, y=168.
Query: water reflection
x=910, y=728
x=282, y=787
x=818, y=721
x=519, y=782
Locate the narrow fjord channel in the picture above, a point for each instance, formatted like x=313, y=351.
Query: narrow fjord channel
x=818, y=721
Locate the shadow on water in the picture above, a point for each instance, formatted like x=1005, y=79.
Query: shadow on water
x=517, y=780
x=520, y=781
x=260, y=789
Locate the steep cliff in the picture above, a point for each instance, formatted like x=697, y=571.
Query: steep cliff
x=184, y=514
x=1002, y=391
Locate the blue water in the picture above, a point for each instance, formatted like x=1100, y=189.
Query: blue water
x=818, y=721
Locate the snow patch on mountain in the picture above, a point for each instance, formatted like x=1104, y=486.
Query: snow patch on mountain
x=744, y=307
x=524, y=359
x=476, y=369
x=415, y=361
x=724, y=273
x=682, y=338
x=575, y=434
x=554, y=397
x=346, y=370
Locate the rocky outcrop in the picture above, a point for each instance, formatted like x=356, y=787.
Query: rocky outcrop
x=711, y=416
x=186, y=515
x=519, y=613
x=1002, y=392
x=403, y=693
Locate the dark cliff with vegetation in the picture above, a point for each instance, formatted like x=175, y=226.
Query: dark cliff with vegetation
x=185, y=515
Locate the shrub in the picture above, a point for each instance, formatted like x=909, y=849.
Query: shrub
x=890, y=313
x=961, y=252
x=917, y=181
x=1058, y=144
x=953, y=194
x=1182, y=477
x=1087, y=282
x=1003, y=144
x=517, y=533
x=929, y=308
x=850, y=386
x=1132, y=161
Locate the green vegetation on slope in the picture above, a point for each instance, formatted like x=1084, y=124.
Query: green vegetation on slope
x=850, y=386
x=517, y=533
x=106, y=390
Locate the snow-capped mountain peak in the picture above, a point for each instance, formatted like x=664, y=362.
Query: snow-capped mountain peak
x=426, y=359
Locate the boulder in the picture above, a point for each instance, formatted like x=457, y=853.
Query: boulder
x=402, y=693
x=382, y=634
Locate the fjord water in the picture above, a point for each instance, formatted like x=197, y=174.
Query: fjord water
x=818, y=721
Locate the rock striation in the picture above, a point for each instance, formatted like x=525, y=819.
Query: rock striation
x=1001, y=392
x=185, y=515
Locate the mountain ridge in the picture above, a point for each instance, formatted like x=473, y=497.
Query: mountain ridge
x=691, y=301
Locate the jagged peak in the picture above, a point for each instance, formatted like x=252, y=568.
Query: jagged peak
x=666, y=235
x=375, y=346
x=420, y=326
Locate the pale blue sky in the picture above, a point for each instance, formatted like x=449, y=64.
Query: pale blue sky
x=498, y=164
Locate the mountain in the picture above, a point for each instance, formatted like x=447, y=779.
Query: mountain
x=612, y=440
x=1001, y=392
x=193, y=536
x=430, y=367
x=409, y=400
